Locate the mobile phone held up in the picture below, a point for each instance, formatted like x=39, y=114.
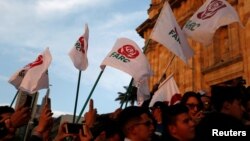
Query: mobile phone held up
x=74, y=128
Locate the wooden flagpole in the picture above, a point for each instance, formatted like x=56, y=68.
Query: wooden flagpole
x=169, y=63
x=77, y=93
x=90, y=94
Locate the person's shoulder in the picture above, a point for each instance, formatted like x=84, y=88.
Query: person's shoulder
x=35, y=138
x=220, y=120
x=219, y=124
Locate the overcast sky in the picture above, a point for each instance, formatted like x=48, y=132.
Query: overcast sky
x=28, y=27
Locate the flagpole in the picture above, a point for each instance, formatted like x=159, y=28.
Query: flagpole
x=169, y=63
x=126, y=96
x=90, y=94
x=14, y=98
x=163, y=75
x=34, y=98
x=77, y=93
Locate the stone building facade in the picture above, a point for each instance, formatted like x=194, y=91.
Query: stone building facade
x=225, y=61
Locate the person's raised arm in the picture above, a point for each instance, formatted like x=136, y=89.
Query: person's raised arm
x=90, y=116
x=62, y=133
x=45, y=122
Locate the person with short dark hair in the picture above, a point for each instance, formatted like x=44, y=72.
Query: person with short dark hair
x=223, y=95
x=5, y=113
x=157, y=112
x=227, y=117
x=5, y=110
x=136, y=124
x=11, y=120
x=178, y=123
x=105, y=129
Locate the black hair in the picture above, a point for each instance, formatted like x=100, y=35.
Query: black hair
x=159, y=104
x=172, y=112
x=105, y=123
x=222, y=94
x=189, y=94
x=132, y=113
x=6, y=109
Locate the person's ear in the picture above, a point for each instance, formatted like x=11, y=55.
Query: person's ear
x=133, y=129
x=102, y=135
x=172, y=129
x=226, y=105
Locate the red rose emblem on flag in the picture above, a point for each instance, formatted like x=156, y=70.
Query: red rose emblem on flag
x=80, y=45
x=129, y=51
x=37, y=62
x=211, y=9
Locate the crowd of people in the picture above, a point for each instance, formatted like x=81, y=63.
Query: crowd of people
x=197, y=117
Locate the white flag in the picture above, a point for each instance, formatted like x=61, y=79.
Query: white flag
x=128, y=57
x=17, y=77
x=143, y=92
x=33, y=76
x=78, y=53
x=168, y=92
x=167, y=32
x=209, y=17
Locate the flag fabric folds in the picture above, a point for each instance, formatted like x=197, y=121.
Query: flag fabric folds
x=208, y=18
x=168, y=92
x=128, y=57
x=33, y=76
x=78, y=53
x=143, y=92
x=168, y=33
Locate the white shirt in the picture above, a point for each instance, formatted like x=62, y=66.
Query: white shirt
x=127, y=139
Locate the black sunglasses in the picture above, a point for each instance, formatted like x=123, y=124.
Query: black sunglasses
x=192, y=106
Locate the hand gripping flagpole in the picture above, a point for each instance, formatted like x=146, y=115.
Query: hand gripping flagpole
x=90, y=94
x=77, y=93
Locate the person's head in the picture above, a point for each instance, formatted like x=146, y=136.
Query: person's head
x=6, y=112
x=106, y=129
x=193, y=102
x=136, y=123
x=157, y=110
x=179, y=124
x=206, y=102
x=227, y=100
